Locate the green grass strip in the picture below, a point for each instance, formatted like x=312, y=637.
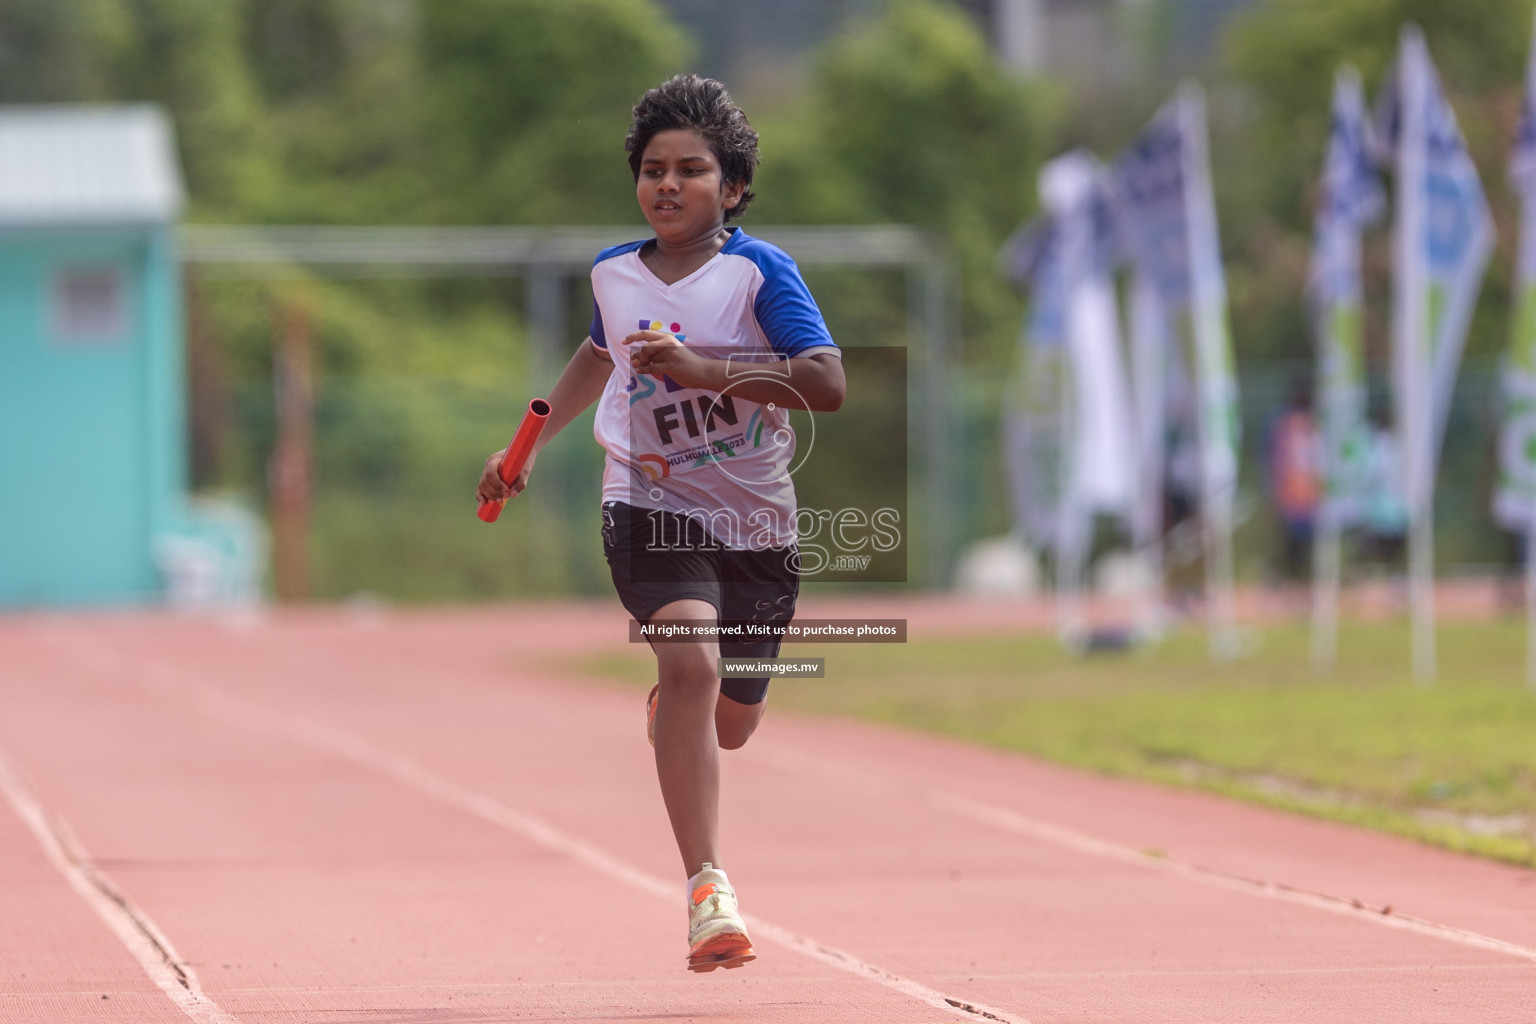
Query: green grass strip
x=1452, y=764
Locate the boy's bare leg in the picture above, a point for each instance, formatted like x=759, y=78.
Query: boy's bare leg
x=735, y=722
x=687, y=751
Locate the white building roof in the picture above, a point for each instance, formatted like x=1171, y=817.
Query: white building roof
x=75, y=165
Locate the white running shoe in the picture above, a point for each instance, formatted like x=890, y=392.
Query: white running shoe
x=717, y=937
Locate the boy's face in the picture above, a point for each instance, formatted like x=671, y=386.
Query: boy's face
x=681, y=189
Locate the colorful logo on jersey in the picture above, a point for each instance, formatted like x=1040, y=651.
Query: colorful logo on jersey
x=676, y=330
x=655, y=467
x=640, y=387
x=656, y=325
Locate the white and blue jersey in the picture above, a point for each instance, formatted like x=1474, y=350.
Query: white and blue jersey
x=719, y=458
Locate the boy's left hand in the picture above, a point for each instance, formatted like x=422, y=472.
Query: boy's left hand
x=657, y=353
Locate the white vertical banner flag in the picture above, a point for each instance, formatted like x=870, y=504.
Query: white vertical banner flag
x=1100, y=452
x=1163, y=184
x=1215, y=379
x=1069, y=434
x=1442, y=236
x=1102, y=455
x=1514, y=499
x=1036, y=420
x=1350, y=197
x=1349, y=200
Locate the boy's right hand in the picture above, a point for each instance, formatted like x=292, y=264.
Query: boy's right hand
x=492, y=489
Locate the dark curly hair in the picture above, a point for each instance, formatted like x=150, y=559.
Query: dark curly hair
x=701, y=105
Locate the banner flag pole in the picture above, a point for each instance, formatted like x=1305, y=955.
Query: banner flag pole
x=1442, y=237
x=1514, y=499
x=1163, y=190
x=1215, y=380
x=1350, y=198
x=1530, y=610
x=1098, y=463
x=1149, y=373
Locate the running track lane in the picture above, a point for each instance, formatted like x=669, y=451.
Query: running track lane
x=406, y=818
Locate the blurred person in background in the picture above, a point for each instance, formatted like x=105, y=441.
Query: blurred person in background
x=1184, y=551
x=1383, y=508
x=1510, y=552
x=1292, y=472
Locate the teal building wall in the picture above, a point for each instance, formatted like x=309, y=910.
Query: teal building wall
x=92, y=424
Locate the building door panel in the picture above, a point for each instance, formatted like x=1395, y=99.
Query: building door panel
x=74, y=522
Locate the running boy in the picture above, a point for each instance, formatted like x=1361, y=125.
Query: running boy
x=702, y=337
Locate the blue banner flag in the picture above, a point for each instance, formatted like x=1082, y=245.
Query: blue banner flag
x=1442, y=239
x=1349, y=199
x=1163, y=188
x=1514, y=501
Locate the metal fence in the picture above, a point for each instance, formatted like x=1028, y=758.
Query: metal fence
x=396, y=457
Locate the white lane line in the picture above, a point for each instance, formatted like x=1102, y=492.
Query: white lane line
x=360, y=752
x=399, y=769
x=1080, y=842
x=1387, y=917
x=143, y=939
x=324, y=739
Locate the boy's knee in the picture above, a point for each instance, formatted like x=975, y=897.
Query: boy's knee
x=735, y=723
x=689, y=670
x=735, y=735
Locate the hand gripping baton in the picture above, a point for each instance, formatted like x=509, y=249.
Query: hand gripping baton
x=518, y=451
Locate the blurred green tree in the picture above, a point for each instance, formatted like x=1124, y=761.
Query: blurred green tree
x=340, y=82
x=1269, y=150
x=56, y=50
x=912, y=119
x=183, y=54
x=504, y=111
x=527, y=103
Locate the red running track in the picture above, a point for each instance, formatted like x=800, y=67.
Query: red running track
x=399, y=817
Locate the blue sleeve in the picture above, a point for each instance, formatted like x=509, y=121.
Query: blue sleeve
x=598, y=337
x=784, y=308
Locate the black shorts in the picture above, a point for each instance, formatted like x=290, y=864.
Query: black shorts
x=659, y=557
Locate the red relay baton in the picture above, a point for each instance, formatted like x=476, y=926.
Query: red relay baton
x=518, y=451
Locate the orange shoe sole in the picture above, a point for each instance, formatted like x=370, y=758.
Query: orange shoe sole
x=726, y=951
